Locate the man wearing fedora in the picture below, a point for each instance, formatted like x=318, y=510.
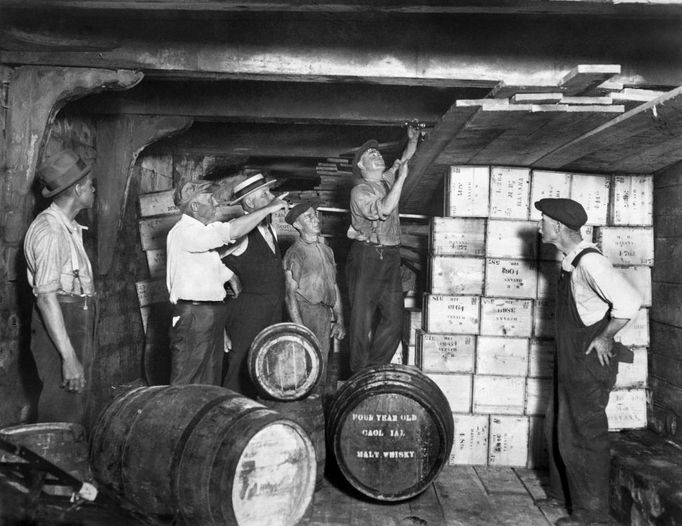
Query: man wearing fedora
x=257, y=262
x=60, y=274
x=373, y=263
x=196, y=279
x=312, y=294
x=594, y=301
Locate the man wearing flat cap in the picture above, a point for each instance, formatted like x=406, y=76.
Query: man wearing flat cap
x=257, y=262
x=196, y=279
x=373, y=262
x=594, y=301
x=312, y=294
x=59, y=272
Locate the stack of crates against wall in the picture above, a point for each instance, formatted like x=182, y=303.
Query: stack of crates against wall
x=488, y=316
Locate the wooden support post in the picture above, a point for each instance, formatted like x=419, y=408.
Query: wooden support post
x=120, y=140
x=35, y=96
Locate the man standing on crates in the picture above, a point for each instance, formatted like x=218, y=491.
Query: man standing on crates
x=59, y=272
x=312, y=295
x=196, y=279
x=594, y=301
x=373, y=263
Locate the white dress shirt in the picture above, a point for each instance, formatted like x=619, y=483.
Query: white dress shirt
x=193, y=268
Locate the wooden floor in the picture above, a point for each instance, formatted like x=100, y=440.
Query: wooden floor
x=461, y=496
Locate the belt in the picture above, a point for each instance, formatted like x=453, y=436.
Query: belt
x=194, y=302
x=74, y=298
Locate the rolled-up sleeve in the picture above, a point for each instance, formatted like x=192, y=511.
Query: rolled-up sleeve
x=200, y=238
x=610, y=284
x=45, y=260
x=366, y=203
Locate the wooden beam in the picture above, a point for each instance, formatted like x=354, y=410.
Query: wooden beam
x=120, y=140
x=586, y=77
x=623, y=143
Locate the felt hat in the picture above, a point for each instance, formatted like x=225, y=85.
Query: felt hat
x=249, y=186
x=372, y=143
x=297, y=210
x=188, y=191
x=566, y=211
x=61, y=170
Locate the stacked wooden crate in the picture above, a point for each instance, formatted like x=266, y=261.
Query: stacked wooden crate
x=488, y=321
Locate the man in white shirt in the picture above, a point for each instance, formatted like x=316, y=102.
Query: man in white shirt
x=196, y=278
x=594, y=301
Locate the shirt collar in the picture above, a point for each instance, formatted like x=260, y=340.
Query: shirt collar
x=70, y=224
x=566, y=263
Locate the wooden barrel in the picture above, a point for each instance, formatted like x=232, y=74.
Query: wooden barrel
x=216, y=457
x=309, y=413
x=390, y=430
x=285, y=362
x=62, y=443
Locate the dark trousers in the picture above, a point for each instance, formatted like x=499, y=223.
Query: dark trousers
x=374, y=289
x=248, y=314
x=197, y=343
x=55, y=403
x=318, y=318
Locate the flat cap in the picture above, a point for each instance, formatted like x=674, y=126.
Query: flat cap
x=358, y=154
x=297, y=210
x=567, y=211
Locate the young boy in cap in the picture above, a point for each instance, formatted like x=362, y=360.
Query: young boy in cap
x=312, y=294
x=373, y=263
x=59, y=272
x=196, y=278
x=594, y=301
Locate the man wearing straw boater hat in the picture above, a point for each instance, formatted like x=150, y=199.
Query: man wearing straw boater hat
x=373, y=263
x=594, y=301
x=59, y=272
x=257, y=262
x=196, y=279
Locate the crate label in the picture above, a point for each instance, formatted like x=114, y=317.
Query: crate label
x=506, y=317
x=627, y=245
x=627, y=409
x=592, y=191
x=508, y=442
x=451, y=314
x=467, y=191
x=632, y=201
x=455, y=236
x=446, y=353
x=509, y=192
x=470, y=444
x=513, y=278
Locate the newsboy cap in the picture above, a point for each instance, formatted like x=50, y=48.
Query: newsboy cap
x=297, y=210
x=567, y=211
x=372, y=143
x=61, y=170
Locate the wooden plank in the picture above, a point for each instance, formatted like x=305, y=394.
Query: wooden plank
x=500, y=480
x=602, y=148
x=463, y=497
x=536, y=98
x=331, y=507
x=585, y=77
x=426, y=507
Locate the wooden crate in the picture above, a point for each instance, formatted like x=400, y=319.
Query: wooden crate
x=498, y=355
x=592, y=191
x=548, y=252
x=541, y=355
x=451, y=314
x=627, y=409
x=636, y=332
x=456, y=388
x=508, y=442
x=157, y=203
x=470, y=444
x=467, y=191
x=627, y=245
x=506, y=317
x=632, y=200
x=545, y=185
x=412, y=322
x=499, y=394
x=151, y=291
x=457, y=236
x=512, y=278
x=154, y=231
x=509, y=192
x=512, y=239
x=544, y=312
x=537, y=445
x=548, y=277
x=156, y=262
x=634, y=374
x=454, y=275
x=640, y=278
x=538, y=394
x=445, y=353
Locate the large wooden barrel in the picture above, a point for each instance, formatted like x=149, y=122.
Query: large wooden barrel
x=216, y=457
x=285, y=362
x=391, y=430
x=62, y=443
x=309, y=413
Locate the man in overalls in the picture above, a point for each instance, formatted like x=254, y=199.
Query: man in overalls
x=59, y=272
x=594, y=301
x=373, y=262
